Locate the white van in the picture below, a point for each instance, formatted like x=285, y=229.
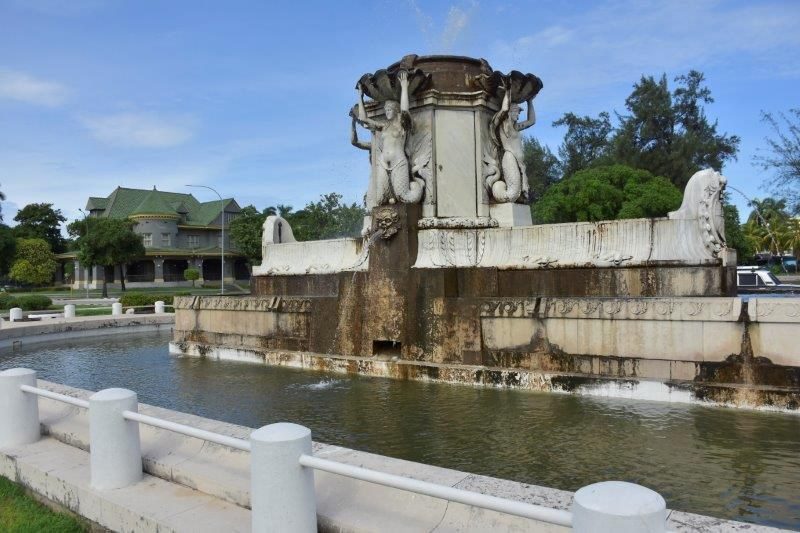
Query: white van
x=753, y=278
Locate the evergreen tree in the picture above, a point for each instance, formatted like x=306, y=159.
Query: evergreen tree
x=541, y=166
x=106, y=242
x=41, y=221
x=669, y=134
x=586, y=142
x=246, y=232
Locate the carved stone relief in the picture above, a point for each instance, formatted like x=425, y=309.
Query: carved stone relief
x=388, y=222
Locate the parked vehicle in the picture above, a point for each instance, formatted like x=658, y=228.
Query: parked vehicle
x=751, y=279
x=787, y=263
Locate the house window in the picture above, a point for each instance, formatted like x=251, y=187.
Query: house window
x=219, y=240
x=166, y=239
x=147, y=239
x=193, y=241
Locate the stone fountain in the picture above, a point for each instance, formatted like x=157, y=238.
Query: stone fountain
x=450, y=280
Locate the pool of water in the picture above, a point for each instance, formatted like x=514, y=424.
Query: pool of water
x=727, y=463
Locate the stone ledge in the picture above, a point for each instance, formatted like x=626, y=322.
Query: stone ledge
x=679, y=386
x=14, y=334
x=60, y=473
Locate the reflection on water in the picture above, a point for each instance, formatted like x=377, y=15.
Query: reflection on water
x=722, y=462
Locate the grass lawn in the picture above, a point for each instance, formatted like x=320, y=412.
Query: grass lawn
x=19, y=513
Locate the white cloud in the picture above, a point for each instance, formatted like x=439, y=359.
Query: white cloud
x=140, y=129
x=619, y=41
x=457, y=20
x=25, y=88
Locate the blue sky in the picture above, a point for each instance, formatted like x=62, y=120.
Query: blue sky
x=252, y=97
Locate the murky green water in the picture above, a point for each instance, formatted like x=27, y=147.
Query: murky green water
x=721, y=462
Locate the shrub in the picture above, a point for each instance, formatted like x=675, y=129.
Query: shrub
x=7, y=301
x=191, y=274
x=33, y=302
x=136, y=299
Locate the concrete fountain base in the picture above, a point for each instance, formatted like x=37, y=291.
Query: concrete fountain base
x=655, y=329
x=710, y=350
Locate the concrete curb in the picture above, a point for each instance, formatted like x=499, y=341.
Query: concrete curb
x=15, y=334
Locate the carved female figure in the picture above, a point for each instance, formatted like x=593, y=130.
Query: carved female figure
x=511, y=182
x=392, y=172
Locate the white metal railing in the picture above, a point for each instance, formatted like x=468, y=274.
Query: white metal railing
x=210, y=436
x=475, y=499
x=282, y=465
x=63, y=398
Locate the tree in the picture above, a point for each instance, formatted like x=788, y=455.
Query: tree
x=541, y=166
x=586, y=142
x=2, y=199
x=669, y=134
x=41, y=221
x=769, y=211
x=35, y=262
x=784, y=157
x=327, y=218
x=8, y=246
x=191, y=274
x=106, y=242
x=734, y=234
x=607, y=193
x=246, y=232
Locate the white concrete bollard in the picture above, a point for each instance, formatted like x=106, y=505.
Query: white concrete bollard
x=69, y=311
x=19, y=415
x=159, y=307
x=281, y=491
x=618, y=507
x=115, y=452
x=116, y=309
x=14, y=314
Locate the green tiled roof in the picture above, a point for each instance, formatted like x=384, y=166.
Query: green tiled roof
x=95, y=203
x=124, y=202
x=154, y=204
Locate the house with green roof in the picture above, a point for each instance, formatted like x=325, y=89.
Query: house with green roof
x=177, y=231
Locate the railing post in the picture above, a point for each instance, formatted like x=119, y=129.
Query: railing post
x=618, y=507
x=69, y=311
x=159, y=307
x=281, y=491
x=15, y=314
x=116, y=309
x=19, y=411
x=115, y=452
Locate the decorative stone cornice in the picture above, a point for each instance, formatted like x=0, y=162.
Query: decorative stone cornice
x=682, y=309
x=276, y=304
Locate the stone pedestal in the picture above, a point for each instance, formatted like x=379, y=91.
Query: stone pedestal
x=387, y=301
x=510, y=215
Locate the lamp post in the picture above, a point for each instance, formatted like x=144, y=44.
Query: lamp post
x=86, y=221
x=222, y=238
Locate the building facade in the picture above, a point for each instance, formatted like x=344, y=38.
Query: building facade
x=177, y=231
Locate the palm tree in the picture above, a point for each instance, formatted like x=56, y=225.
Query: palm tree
x=768, y=211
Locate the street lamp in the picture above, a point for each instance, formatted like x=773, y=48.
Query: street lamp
x=86, y=221
x=222, y=239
